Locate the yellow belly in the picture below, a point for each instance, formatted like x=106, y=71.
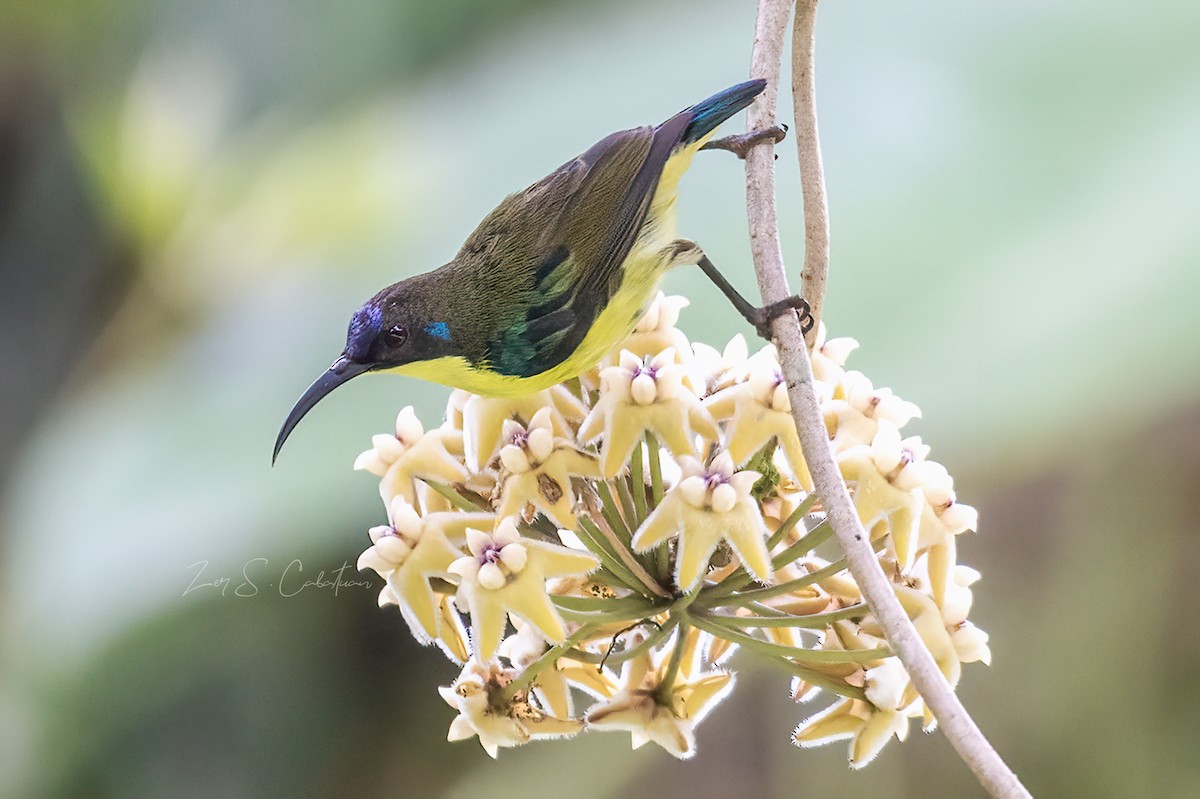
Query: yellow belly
x=642, y=271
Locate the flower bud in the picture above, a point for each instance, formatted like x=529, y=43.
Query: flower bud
x=408, y=426
x=694, y=491
x=643, y=389
x=393, y=548
x=540, y=443
x=959, y=518
x=514, y=556
x=490, y=576
x=724, y=497
x=514, y=459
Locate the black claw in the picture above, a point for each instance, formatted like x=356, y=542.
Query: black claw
x=764, y=316
x=741, y=143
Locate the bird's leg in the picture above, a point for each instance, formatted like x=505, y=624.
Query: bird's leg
x=759, y=317
x=741, y=143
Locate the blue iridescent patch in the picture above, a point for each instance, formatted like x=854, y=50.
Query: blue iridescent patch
x=364, y=327
x=438, y=330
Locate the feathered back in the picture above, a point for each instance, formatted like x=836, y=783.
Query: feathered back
x=530, y=281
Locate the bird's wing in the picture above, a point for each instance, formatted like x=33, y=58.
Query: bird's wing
x=565, y=239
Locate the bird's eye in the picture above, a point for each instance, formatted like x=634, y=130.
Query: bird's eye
x=396, y=336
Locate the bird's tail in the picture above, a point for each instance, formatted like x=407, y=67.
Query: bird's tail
x=706, y=115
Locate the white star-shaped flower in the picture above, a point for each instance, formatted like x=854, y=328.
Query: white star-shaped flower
x=640, y=707
x=645, y=395
x=758, y=410
x=408, y=552
x=868, y=727
x=484, y=419
x=553, y=683
x=505, y=573
x=538, y=467
x=709, y=504
x=413, y=454
x=829, y=356
x=656, y=331
x=514, y=724
x=715, y=370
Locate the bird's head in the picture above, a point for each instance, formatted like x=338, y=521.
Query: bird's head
x=390, y=331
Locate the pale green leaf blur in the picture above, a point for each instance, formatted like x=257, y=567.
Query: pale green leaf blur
x=195, y=196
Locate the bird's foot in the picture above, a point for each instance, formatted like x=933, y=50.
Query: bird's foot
x=741, y=143
x=764, y=316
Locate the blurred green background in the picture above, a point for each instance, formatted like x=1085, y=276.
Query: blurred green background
x=194, y=196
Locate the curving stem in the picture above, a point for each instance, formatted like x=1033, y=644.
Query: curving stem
x=993, y=773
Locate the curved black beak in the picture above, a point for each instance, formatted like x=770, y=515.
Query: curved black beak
x=342, y=370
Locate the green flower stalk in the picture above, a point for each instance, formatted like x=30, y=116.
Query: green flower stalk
x=587, y=577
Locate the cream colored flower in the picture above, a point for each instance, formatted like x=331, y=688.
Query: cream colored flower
x=408, y=552
x=758, y=410
x=969, y=641
x=871, y=468
x=639, y=396
x=709, y=505
x=553, y=683
x=959, y=597
x=840, y=637
x=452, y=636
x=538, y=467
x=505, y=573
x=915, y=496
x=413, y=454
x=455, y=404
x=887, y=685
x=876, y=403
x=829, y=356
x=447, y=568
x=847, y=426
x=937, y=635
x=484, y=419
x=942, y=516
x=639, y=707
x=656, y=331
x=853, y=413
x=868, y=727
x=524, y=646
x=927, y=619
x=715, y=370
x=514, y=724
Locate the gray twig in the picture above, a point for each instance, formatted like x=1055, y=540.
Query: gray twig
x=995, y=776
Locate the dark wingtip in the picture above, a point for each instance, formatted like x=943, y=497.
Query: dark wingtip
x=707, y=114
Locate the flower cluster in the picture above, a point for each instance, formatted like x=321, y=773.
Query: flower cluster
x=616, y=538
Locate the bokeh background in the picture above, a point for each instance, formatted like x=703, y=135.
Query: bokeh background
x=195, y=195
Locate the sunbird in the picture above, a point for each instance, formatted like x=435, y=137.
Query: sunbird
x=552, y=279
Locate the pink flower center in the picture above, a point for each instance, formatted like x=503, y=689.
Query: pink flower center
x=646, y=369
x=714, y=479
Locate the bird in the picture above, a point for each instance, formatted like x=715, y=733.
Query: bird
x=556, y=276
